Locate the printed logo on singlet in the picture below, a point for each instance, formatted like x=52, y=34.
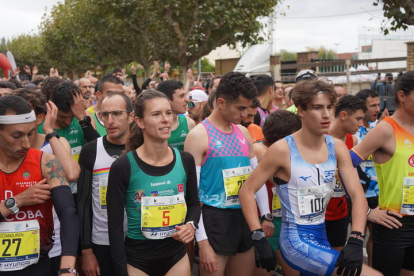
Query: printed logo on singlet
x=411, y=161
x=305, y=177
x=154, y=193
x=160, y=183
x=243, y=141
x=183, y=133
x=26, y=174
x=180, y=188
x=138, y=195
x=219, y=144
x=329, y=176
x=407, y=143
x=73, y=130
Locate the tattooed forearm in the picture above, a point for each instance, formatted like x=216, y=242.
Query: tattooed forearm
x=56, y=170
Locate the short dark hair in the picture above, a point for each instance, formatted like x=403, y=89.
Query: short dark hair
x=36, y=99
x=262, y=83
x=350, y=104
x=62, y=95
x=128, y=103
x=365, y=93
x=116, y=70
x=405, y=83
x=168, y=87
x=255, y=103
x=106, y=79
x=7, y=84
x=49, y=84
x=235, y=84
x=17, y=83
x=13, y=104
x=280, y=124
x=307, y=89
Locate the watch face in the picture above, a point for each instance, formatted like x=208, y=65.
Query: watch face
x=10, y=202
x=268, y=217
x=257, y=235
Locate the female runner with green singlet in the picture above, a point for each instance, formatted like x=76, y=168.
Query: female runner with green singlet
x=157, y=186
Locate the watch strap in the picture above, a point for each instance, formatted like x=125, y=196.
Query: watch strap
x=67, y=270
x=51, y=135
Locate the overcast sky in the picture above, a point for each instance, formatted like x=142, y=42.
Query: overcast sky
x=306, y=24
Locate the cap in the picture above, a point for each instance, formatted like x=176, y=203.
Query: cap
x=305, y=74
x=198, y=96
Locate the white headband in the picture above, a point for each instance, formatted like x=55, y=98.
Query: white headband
x=18, y=119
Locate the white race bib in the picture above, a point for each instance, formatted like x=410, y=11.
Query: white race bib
x=407, y=205
x=312, y=201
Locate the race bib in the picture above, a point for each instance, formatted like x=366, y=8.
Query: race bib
x=160, y=215
x=19, y=244
x=407, y=205
x=75, y=151
x=103, y=188
x=312, y=201
x=233, y=181
x=276, y=207
x=338, y=190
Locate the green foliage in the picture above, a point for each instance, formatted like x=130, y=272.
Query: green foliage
x=288, y=56
x=399, y=12
x=206, y=65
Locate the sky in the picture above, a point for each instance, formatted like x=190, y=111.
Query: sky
x=334, y=24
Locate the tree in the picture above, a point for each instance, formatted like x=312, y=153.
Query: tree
x=206, y=65
x=183, y=31
x=288, y=56
x=400, y=12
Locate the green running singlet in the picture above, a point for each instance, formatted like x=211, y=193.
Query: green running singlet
x=178, y=135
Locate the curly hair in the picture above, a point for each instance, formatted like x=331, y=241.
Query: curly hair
x=306, y=90
x=350, y=104
x=280, y=124
x=62, y=95
x=36, y=99
x=8, y=84
x=49, y=84
x=233, y=85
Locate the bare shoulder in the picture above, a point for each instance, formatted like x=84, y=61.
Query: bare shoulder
x=190, y=123
x=197, y=132
x=259, y=150
x=52, y=170
x=383, y=129
x=279, y=150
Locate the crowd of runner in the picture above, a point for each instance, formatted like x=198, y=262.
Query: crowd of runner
x=240, y=175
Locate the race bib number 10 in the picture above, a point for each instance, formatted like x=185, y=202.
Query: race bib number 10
x=19, y=244
x=160, y=215
x=233, y=181
x=407, y=205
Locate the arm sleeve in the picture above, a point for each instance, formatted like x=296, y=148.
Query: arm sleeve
x=200, y=233
x=118, y=180
x=262, y=197
x=136, y=86
x=146, y=83
x=69, y=225
x=85, y=213
x=355, y=157
x=191, y=197
x=90, y=133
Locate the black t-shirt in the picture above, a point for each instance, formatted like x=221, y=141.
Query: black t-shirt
x=118, y=181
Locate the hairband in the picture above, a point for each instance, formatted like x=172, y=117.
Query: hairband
x=18, y=119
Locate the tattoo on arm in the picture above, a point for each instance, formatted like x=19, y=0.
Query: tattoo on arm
x=56, y=170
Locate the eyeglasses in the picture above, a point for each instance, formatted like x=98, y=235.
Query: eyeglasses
x=116, y=114
x=191, y=104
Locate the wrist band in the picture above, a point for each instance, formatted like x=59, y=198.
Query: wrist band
x=369, y=211
x=357, y=235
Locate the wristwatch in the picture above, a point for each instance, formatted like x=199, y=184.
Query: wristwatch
x=67, y=270
x=267, y=217
x=195, y=227
x=10, y=204
x=258, y=234
x=85, y=122
x=51, y=135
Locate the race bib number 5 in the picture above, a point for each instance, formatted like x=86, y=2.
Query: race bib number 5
x=233, y=181
x=407, y=206
x=19, y=244
x=160, y=215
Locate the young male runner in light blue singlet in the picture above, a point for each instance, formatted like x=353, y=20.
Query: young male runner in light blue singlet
x=303, y=166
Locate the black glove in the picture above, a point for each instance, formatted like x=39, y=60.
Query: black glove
x=264, y=254
x=351, y=258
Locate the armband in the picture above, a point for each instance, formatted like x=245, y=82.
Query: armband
x=66, y=211
x=355, y=157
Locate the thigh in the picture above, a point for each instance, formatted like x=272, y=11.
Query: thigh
x=180, y=268
x=337, y=231
x=408, y=264
x=387, y=260
x=221, y=267
x=132, y=271
x=241, y=264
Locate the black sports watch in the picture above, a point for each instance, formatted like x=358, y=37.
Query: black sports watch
x=258, y=234
x=267, y=217
x=51, y=135
x=10, y=204
x=85, y=122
